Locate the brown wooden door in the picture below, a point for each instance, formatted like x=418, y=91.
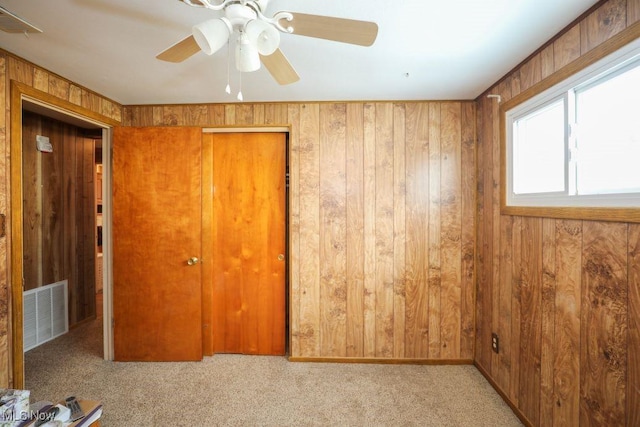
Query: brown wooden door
x=249, y=243
x=157, y=225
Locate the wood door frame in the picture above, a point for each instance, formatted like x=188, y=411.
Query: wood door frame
x=207, y=238
x=19, y=93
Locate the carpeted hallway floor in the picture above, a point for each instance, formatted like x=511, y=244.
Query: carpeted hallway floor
x=238, y=390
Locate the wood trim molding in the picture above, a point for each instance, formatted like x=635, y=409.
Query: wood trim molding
x=247, y=129
x=20, y=92
x=594, y=55
x=581, y=213
x=17, y=344
x=504, y=396
x=380, y=360
x=58, y=104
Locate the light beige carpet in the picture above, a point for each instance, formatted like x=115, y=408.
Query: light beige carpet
x=237, y=390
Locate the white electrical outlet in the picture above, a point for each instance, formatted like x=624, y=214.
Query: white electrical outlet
x=495, y=343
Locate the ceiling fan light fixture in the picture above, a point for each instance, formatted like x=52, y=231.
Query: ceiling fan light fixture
x=263, y=35
x=247, y=55
x=211, y=35
x=257, y=36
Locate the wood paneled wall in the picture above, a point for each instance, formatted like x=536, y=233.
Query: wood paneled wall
x=59, y=234
x=382, y=240
x=382, y=217
x=563, y=295
x=14, y=68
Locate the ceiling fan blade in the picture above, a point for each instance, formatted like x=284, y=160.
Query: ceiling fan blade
x=280, y=68
x=362, y=33
x=180, y=51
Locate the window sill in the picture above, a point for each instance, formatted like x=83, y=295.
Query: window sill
x=580, y=213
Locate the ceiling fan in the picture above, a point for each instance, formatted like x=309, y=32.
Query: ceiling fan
x=257, y=36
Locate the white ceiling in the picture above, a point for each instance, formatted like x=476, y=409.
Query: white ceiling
x=426, y=49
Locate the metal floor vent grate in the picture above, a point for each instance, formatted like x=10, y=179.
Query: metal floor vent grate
x=45, y=314
x=11, y=23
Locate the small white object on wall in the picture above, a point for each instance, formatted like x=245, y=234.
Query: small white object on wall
x=43, y=145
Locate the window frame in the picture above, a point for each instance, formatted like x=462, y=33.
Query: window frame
x=520, y=112
x=552, y=88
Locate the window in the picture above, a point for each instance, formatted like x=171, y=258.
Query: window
x=539, y=145
x=577, y=144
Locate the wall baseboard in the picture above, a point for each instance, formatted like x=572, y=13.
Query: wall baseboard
x=504, y=396
x=382, y=361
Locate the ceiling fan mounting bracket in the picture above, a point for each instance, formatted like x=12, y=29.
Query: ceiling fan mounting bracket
x=258, y=5
x=239, y=12
x=238, y=15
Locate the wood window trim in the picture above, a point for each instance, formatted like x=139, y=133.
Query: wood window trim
x=581, y=213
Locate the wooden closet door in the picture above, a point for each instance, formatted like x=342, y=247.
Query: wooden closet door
x=249, y=243
x=157, y=228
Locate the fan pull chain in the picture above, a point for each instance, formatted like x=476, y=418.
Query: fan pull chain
x=228, y=88
x=240, y=97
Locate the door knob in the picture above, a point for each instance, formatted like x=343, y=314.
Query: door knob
x=193, y=261
x=281, y=257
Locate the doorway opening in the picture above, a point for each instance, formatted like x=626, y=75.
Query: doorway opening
x=61, y=215
x=58, y=117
